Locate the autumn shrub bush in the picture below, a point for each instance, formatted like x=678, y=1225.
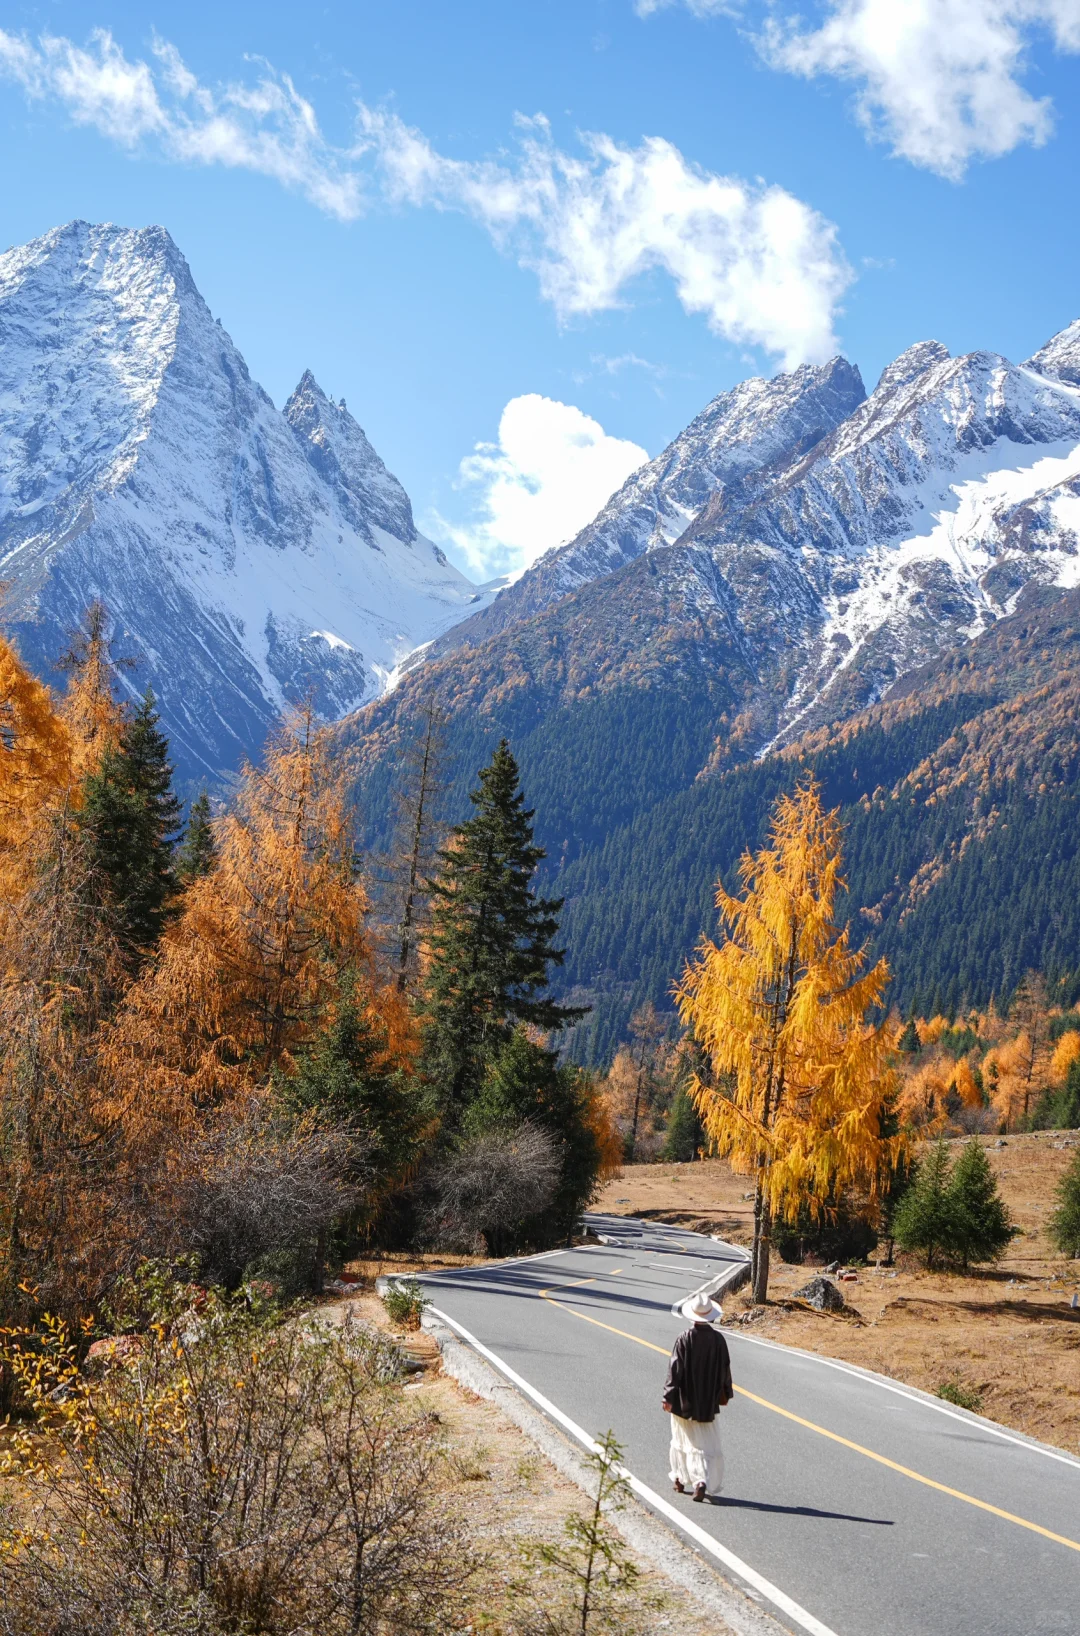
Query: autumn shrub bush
x=228, y=1470
x=486, y=1192
x=263, y=1187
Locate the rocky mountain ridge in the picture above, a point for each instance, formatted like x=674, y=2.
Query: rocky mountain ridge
x=247, y=557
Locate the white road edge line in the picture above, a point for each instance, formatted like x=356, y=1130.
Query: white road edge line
x=777, y=1597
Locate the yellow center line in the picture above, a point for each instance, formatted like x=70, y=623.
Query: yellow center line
x=822, y=1431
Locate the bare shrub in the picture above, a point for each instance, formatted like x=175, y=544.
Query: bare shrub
x=234, y=1473
x=491, y=1186
x=262, y=1185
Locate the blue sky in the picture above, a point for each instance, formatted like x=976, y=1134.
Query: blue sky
x=713, y=190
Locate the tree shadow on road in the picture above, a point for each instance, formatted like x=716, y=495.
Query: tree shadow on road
x=795, y=1510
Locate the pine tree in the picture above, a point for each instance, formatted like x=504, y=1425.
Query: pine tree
x=525, y=1081
x=982, y=1227
x=1064, y=1224
x=780, y=1009
x=197, y=853
x=909, y=1039
x=349, y=1077
x=925, y=1219
x=491, y=940
x=130, y=814
x=684, y=1134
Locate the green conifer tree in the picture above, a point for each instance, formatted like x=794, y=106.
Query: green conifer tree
x=909, y=1039
x=130, y=815
x=1064, y=1224
x=491, y=940
x=982, y=1229
x=526, y=1081
x=925, y=1217
x=684, y=1135
x=197, y=853
x=342, y=1079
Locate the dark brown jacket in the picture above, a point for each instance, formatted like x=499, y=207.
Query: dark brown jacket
x=699, y=1374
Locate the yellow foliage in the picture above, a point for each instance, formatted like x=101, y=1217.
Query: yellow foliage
x=1066, y=1053
x=246, y=971
x=930, y=1032
x=802, y=1082
x=963, y=1082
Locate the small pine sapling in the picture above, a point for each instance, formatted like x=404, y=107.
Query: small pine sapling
x=981, y=1224
x=594, y=1558
x=1064, y=1224
x=924, y=1217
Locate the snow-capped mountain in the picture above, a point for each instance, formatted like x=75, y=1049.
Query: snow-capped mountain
x=842, y=541
x=731, y=448
x=246, y=557
x=913, y=526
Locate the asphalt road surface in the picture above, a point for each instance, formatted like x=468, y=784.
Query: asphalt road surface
x=850, y=1508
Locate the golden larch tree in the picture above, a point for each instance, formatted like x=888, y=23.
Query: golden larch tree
x=259, y=951
x=800, y=1081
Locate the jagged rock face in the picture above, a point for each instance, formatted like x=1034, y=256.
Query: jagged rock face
x=247, y=557
x=841, y=541
x=729, y=450
x=912, y=527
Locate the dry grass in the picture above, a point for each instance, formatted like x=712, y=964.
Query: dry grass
x=1006, y=1333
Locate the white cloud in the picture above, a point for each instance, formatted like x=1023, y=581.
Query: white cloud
x=267, y=127
x=547, y=476
x=938, y=79
x=763, y=267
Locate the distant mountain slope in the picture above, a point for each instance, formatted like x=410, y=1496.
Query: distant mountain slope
x=914, y=555
x=732, y=447
x=960, y=795
x=247, y=557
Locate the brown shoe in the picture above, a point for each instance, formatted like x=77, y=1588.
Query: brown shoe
x=699, y=1492
x=678, y=1487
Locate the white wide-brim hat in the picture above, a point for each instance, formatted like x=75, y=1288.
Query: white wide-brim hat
x=701, y=1309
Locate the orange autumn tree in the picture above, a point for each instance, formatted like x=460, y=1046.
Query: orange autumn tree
x=262, y=946
x=801, y=1086
x=59, y=972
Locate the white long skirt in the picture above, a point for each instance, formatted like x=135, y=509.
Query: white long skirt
x=696, y=1454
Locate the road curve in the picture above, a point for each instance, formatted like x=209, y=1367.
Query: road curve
x=851, y=1506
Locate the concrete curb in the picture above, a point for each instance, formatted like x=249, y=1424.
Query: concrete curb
x=652, y=1539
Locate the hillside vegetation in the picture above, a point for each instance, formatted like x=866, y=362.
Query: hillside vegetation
x=958, y=794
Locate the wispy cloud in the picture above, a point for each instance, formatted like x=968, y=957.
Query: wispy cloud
x=264, y=126
x=550, y=472
x=761, y=266
x=940, y=81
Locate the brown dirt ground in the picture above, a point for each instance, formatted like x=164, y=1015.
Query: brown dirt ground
x=1007, y=1333
x=514, y=1500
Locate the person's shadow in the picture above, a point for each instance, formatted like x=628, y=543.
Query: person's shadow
x=795, y=1510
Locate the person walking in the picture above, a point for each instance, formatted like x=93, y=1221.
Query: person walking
x=698, y=1385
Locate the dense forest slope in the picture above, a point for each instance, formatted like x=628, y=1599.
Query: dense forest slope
x=960, y=792
x=894, y=602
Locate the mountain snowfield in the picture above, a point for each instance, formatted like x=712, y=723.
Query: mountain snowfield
x=843, y=539
x=247, y=557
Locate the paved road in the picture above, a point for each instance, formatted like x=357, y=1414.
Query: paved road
x=869, y=1511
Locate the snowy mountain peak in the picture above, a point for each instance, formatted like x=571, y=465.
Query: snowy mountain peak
x=910, y=365
x=728, y=451
x=1060, y=357
x=250, y=557
x=336, y=446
